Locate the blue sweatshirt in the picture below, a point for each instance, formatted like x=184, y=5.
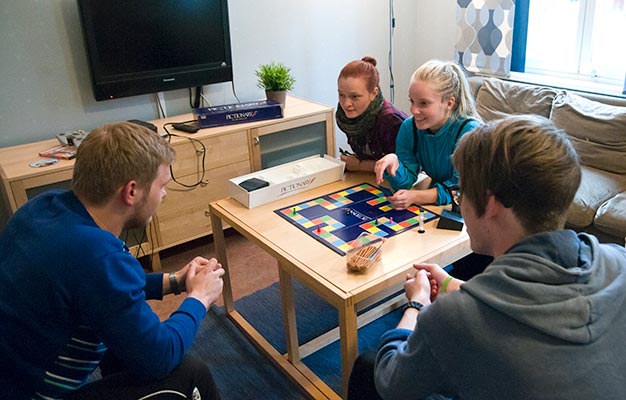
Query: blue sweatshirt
x=68, y=292
x=430, y=154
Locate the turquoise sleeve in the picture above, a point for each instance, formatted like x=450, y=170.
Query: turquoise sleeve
x=410, y=165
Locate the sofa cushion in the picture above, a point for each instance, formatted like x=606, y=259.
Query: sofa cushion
x=597, y=130
x=611, y=216
x=596, y=187
x=498, y=99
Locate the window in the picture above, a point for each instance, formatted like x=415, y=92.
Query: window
x=581, y=39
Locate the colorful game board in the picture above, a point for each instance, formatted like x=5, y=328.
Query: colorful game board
x=339, y=219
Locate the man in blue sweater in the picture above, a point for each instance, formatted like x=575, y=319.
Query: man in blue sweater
x=545, y=320
x=72, y=296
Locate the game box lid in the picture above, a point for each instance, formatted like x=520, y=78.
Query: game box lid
x=287, y=179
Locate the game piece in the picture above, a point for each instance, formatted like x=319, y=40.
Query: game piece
x=294, y=211
x=349, y=213
x=421, y=219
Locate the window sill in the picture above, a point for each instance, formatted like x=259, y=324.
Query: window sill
x=568, y=84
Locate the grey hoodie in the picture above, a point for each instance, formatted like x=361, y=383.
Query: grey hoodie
x=546, y=320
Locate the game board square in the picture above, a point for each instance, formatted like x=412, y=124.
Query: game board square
x=345, y=247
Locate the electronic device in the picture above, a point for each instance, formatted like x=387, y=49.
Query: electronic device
x=142, y=46
x=189, y=128
x=451, y=221
x=147, y=124
x=73, y=138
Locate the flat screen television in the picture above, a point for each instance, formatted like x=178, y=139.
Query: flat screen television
x=147, y=46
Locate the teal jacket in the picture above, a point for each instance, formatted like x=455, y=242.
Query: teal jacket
x=430, y=154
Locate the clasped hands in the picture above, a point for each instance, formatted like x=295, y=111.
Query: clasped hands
x=202, y=279
x=425, y=284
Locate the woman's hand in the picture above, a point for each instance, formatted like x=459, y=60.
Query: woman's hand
x=401, y=199
x=352, y=162
x=388, y=163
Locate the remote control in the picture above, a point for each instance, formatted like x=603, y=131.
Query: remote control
x=185, y=127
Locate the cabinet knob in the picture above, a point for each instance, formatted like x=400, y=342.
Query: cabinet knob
x=256, y=140
x=207, y=213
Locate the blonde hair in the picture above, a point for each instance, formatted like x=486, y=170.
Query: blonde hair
x=527, y=163
x=114, y=154
x=448, y=79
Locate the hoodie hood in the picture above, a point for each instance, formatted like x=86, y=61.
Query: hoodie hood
x=562, y=284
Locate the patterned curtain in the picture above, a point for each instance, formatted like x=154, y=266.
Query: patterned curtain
x=485, y=35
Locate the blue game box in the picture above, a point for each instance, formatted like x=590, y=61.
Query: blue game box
x=238, y=113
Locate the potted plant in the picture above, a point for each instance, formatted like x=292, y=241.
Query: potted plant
x=276, y=79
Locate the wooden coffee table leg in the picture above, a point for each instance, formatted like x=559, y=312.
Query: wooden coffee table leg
x=348, y=336
x=220, y=254
x=288, y=305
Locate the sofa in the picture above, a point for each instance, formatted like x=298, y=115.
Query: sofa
x=596, y=125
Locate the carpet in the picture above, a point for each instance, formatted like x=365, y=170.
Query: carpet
x=314, y=316
x=241, y=373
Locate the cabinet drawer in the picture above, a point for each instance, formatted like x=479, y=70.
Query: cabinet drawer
x=182, y=215
x=221, y=150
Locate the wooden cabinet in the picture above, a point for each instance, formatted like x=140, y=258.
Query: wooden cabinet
x=205, y=161
x=183, y=215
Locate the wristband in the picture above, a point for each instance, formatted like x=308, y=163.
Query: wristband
x=444, y=285
x=175, y=288
x=413, y=304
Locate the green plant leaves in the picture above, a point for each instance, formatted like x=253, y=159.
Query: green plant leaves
x=274, y=77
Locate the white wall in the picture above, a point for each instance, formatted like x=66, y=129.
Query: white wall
x=45, y=89
x=45, y=80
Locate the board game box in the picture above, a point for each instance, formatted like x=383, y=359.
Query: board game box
x=339, y=219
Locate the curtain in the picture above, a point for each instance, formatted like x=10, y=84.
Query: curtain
x=485, y=35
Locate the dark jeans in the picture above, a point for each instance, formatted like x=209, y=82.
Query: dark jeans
x=361, y=384
x=470, y=265
x=190, y=379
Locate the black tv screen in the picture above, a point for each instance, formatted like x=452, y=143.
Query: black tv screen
x=147, y=46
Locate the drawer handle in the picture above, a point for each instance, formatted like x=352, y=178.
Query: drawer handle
x=256, y=140
x=207, y=213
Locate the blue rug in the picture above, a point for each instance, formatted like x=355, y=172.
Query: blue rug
x=314, y=316
x=241, y=373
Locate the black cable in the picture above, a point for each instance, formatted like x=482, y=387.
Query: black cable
x=232, y=84
x=196, y=100
x=392, y=26
x=193, y=142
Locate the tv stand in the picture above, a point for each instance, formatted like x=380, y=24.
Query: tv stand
x=307, y=128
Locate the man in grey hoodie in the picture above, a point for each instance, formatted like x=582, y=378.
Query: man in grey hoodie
x=545, y=320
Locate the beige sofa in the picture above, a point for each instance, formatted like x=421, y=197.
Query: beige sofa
x=596, y=125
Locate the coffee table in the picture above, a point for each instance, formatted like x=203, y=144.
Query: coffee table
x=324, y=272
